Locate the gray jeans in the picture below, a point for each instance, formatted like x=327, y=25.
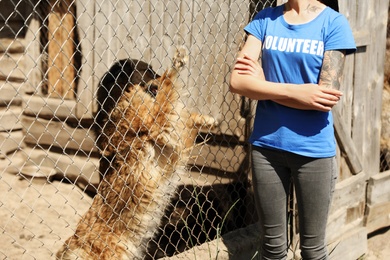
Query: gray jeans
x=314, y=181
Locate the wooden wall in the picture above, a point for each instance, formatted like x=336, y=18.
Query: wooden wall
x=359, y=197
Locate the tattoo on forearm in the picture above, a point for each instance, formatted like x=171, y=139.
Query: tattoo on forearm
x=332, y=69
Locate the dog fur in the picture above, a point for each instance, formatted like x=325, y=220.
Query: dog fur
x=146, y=140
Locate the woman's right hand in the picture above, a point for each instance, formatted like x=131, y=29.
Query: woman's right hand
x=313, y=96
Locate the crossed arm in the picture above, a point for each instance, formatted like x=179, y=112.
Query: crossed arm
x=247, y=79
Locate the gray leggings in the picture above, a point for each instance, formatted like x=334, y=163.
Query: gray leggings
x=314, y=181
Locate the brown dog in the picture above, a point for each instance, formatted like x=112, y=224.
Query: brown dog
x=147, y=143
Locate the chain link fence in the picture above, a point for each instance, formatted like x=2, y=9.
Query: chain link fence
x=98, y=148
x=385, y=151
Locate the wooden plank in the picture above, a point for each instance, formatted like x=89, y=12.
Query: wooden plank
x=225, y=159
x=377, y=216
x=351, y=246
x=61, y=70
x=378, y=188
x=345, y=107
x=88, y=81
x=10, y=142
x=362, y=37
x=12, y=67
x=163, y=33
x=234, y=109
x=342, y=220
x=349, y=193
x=10, y=118
x=11, y=46
x=209, y=29
x=360, y=101
x=49, y=107
x=103, y=33
x=57, y=134
x=83, y=171
x=336, y=224
x=348, y=8
x=371, y=153
x=346, y=144
x=33, y=61
x=210, y=62
x=139, y=31
x=122, y=22
x=10, y=92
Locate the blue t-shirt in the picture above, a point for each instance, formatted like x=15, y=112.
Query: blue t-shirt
x=294, y=54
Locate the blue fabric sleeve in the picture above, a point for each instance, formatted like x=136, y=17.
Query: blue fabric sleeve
x=339, y=36
x=255, y=27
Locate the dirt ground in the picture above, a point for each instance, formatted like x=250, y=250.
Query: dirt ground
x=37, y=216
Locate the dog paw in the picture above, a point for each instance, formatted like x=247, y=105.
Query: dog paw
x=180, y=58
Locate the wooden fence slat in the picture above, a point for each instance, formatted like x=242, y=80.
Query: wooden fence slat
x=61, y=69
x=346, y=144
x=87, y=78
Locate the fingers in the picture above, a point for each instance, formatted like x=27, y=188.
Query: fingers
x=327, y=102
x=330, y=91
x=246, y=65
x=248, y=61
x=244, y=69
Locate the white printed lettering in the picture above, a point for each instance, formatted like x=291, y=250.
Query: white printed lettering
x=313, y=47
x=268, y=42
x=299, y=42
x=282, y=44
x=291, y=45
x=274, y=42
x=320, y=49
x=306, y=46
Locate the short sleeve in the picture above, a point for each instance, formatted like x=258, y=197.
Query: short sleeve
x=255, y=27
x=339, y=36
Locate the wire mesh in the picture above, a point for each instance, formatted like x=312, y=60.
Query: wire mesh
x=99, y=137
x=385, y=130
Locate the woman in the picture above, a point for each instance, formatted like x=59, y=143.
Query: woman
x=302, y=46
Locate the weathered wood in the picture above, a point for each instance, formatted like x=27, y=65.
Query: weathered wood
x=378, y=202
x=57, y=134
x=10, y=142
x=345, y=107
x=372, y=149
x=49, y=107
x=362, y=38
x=12, y=67
x=88, y=81
x=349, y=193
x=347, y=208
x=61, y=68
x=10, y=92
x=346, y=144
x=378, y=190
x=351, y=246
x=377, y=216
x=83, y=171
x=33, y=61
x=10, y=118
x=225, y=159
x=11, y=46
